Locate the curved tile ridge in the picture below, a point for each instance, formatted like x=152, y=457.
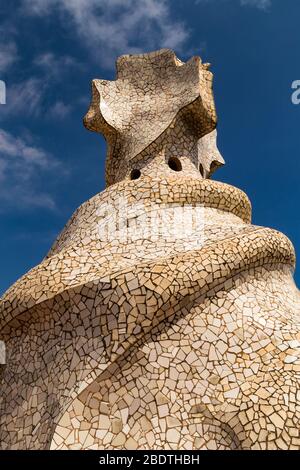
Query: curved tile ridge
x=149, y=190
x=163, y=312
x=201, y=267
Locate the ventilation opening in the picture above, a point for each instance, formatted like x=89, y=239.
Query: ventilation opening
x=201, y=169
x=175, y=164
x=135, y=174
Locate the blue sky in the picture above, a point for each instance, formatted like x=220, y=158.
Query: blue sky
x=50, y=50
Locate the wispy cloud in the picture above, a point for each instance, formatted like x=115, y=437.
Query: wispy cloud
x=111, y=27
x=59, y=110
x=52, y=68
x=8, y=55
x=29, y=97
x=53, y=65
x=25, y=97
x=21, y=163
x=261, y=4
x=17, y=148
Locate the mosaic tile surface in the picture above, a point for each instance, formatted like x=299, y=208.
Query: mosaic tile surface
x=160, y=318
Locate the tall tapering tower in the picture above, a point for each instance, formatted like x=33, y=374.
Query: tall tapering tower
x=161, y=318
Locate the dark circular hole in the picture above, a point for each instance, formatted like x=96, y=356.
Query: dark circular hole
x=201, y=169
x=135, y=174
x=175, y=164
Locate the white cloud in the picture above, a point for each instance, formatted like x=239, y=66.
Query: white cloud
x=59, y=110
x=8, y=55
x=111, y=27
x=21, y=164
x=55, y=66
x=3, y=167
x=28, y=98
x=39, y=7
x=260, y=4
x=54, y=69
x=25, y=97
x=15, y=147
